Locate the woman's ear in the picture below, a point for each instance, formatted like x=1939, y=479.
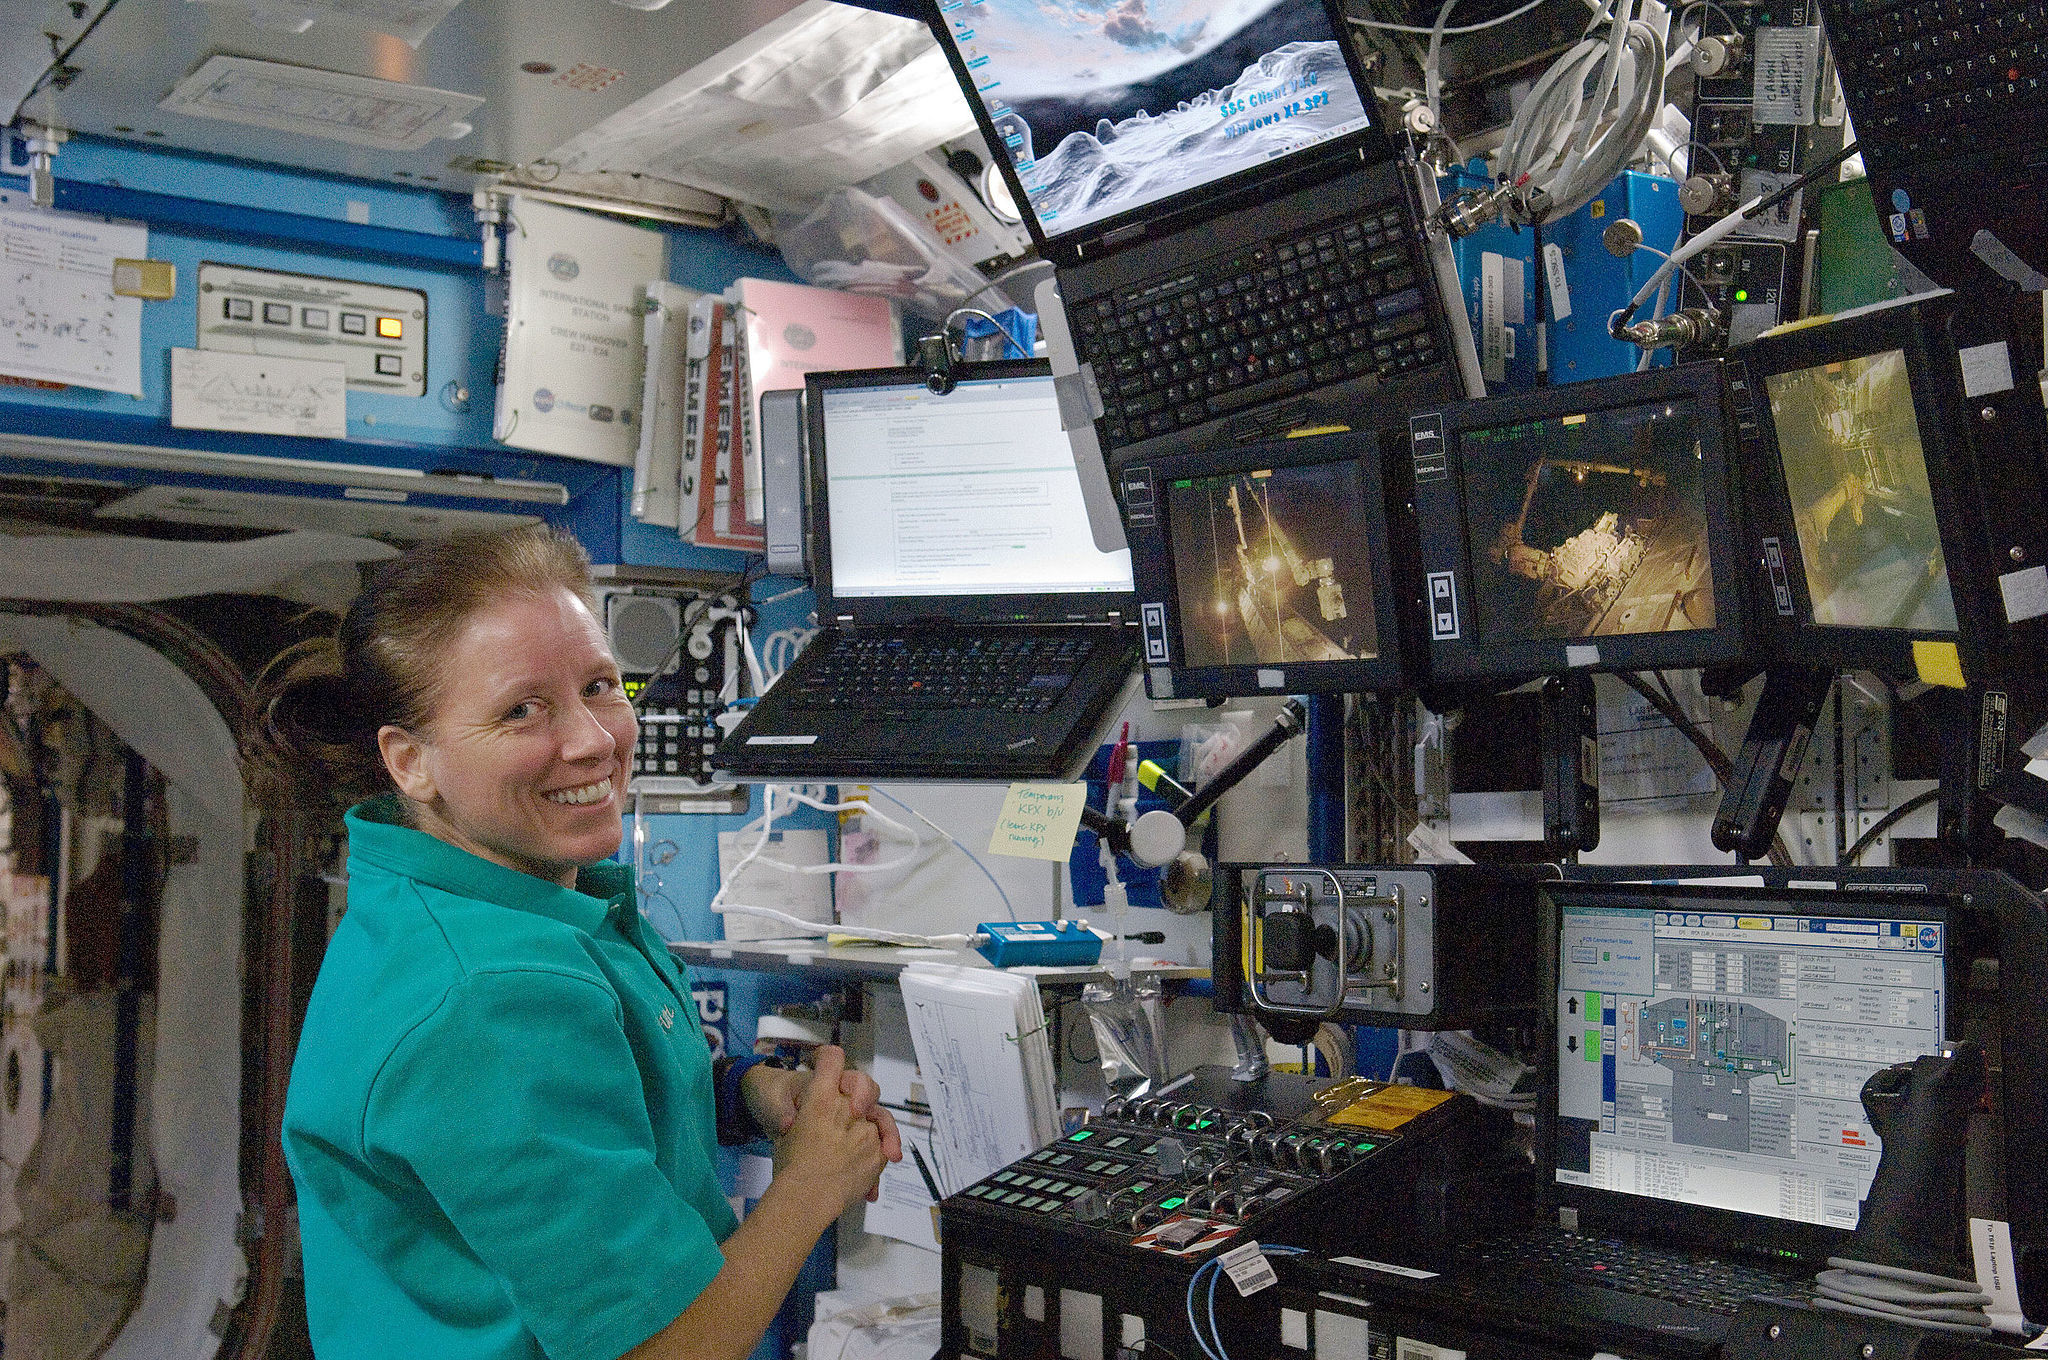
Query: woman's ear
x=405, y=759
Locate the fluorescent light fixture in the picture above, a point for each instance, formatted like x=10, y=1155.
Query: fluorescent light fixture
x=330, y=104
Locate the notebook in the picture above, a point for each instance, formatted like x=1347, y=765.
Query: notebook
x=1700, y=1120
x=1233, y=234
x=971, y=629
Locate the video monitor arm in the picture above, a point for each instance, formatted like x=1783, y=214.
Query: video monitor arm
x=1772, y=749
x=1570, y=743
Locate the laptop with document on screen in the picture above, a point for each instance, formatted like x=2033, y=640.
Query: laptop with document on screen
x=970, y=628
x=1235, y=237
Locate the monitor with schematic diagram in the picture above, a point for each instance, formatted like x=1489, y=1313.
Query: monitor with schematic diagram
x=1264, y=569
x=1587, y=527
x=1713, y=1044
x=1865, y=501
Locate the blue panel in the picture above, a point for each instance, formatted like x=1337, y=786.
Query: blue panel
x=1519, y=316
x=1580, y=347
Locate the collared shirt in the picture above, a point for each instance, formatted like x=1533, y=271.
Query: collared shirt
x=501, y=1115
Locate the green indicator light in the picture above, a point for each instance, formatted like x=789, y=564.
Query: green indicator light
x=1365, y=1147
x=1083, y=1136
x=1173, y=1203
x=1742, y=295
x=1202, y=1123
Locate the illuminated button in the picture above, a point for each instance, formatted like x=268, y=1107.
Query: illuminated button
x=1083, y=1136
x=1095, y=1167
x=313, y=318
x=277, y=314
x=354, y=323
x=1040, y=1183
x=390, y=327
x=1173, y=1203
x=1118, y=1141
x=238, y=309
x=1005, y=1177
x=390, y=364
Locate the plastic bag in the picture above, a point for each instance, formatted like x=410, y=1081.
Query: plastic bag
x=1128, y=1017
x=859, y=243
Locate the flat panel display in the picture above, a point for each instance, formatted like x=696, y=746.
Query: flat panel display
x=1113, y=109
x=1265, y=569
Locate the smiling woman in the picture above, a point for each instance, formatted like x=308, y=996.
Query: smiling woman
x=503, y=1120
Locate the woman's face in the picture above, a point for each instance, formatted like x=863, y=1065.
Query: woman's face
x=526, y=758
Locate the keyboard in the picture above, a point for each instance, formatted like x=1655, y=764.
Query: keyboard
x=1939, y=78
x=1021, y=674
x=1707, y=1282
x=1342, y=300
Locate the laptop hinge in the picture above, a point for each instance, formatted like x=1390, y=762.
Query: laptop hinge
x=1567, y=1219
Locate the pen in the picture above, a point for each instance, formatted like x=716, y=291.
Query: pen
x=926, y=1172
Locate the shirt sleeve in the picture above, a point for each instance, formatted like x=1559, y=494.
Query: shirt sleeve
x=518, y=1109
x=736, y=1124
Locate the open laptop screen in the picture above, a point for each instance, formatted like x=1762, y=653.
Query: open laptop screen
x=1110, y=109
x=1712, y=1050
x=972, y=493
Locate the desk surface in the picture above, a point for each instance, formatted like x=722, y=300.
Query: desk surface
x=886, y=961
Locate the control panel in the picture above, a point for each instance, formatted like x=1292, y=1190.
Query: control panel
x=379, y=333
x=678, y=713
x=1762, y=112
x=1124, y=1209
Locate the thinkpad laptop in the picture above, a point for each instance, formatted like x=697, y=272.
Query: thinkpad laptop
x=971, y=629
x=1234, y=236
x=1700, y=1136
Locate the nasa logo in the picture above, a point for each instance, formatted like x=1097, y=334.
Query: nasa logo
x=543, y=400
x=563, y=266
x=799, y=336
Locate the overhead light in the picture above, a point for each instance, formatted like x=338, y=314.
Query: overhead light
x=330, y=104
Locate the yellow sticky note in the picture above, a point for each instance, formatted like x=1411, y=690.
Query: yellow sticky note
x=1937, y=663
x=1039, y=821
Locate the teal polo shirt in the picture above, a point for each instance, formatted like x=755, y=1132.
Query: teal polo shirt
x=501, y=1120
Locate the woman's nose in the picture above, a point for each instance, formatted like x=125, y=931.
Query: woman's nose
x=587, y=736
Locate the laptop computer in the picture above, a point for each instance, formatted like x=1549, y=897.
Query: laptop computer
x=1234, y=236
x=1700, y=1136
x=971, y=629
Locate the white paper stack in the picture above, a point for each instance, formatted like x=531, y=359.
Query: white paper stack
x=987, y=1067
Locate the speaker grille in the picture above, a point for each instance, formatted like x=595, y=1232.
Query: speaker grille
x=642, y=630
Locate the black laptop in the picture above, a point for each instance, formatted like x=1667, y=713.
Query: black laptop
x=1234, y=235
x=971, y=629
x=1700, y=1136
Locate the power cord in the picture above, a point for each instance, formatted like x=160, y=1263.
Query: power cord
x=1212, y=1345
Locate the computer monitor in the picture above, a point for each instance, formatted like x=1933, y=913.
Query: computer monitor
x=1583, y=527
x=1264, y=569
x=964, y=506
x=1864, y=498
x=1709, y=1048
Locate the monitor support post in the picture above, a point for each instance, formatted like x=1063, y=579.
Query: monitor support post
x=1570, y=743
x=1772, y=749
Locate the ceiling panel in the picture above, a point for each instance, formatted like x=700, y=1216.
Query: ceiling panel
x=598, y=57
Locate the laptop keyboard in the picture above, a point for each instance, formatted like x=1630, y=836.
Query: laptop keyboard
x=1341, y=300
x=1707, y=1282
x=1945, y=77
x=1024, y=674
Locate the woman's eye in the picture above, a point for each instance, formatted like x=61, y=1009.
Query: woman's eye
x=601, y=686
x=521, y=711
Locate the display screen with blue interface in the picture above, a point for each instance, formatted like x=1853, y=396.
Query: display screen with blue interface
x=1717, y=1057
x=1109, y=108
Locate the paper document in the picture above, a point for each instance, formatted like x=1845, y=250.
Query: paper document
x=59, y=318
x=903, y=1209
x=987, y=1069
x=258, y=393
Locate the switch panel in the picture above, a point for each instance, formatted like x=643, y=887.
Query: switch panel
x=379, y=332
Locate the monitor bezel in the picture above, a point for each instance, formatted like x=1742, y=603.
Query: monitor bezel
x=1456, y=652
x=1152, y=569
x=1370, y=142
x=1934, y=377
x=1722, y=1229
x=888, y=611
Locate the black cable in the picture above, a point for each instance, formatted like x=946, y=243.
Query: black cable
x=59, y=60
x=1888, y=821
x=1765, y=205
x=1717, y=759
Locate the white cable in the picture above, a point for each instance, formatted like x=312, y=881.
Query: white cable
x=1449, y=32
x=1432, y=74
x=780, y=648
x=822, y=928
x=753, y=662
x=994, y=882
x=1562, y=148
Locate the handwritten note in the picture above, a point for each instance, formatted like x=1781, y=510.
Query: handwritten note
x=1038, y=821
